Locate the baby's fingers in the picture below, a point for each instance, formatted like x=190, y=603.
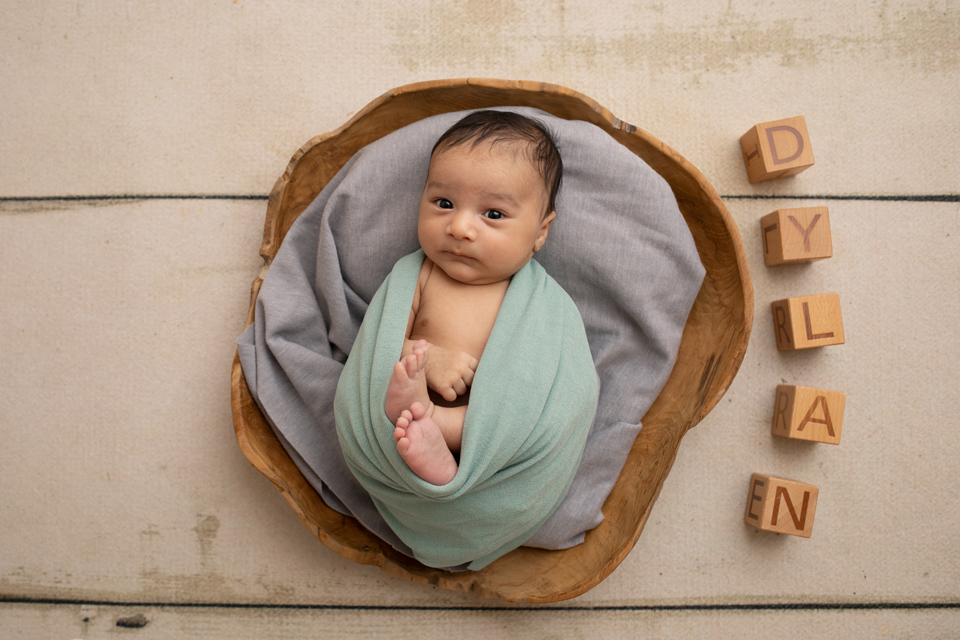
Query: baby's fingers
x=449, y=393
x=468, y=377
x=460, y=386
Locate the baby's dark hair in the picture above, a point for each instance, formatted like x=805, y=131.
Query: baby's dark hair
x=506, y=126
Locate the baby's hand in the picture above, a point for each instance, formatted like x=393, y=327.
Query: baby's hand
x=450, y=371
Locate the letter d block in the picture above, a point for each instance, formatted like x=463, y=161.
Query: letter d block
x=802, y=413
x=808, y=321
x=776, y=149
x=792, y=236
x=782, y=506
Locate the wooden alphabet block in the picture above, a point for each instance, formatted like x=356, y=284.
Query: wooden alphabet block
x=804, y=413
x=783, y=506
x=791, y=236
x=776, y=149
x=808, y=321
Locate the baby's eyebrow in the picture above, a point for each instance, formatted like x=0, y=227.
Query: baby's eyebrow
x=491, y=195
x=505, y=197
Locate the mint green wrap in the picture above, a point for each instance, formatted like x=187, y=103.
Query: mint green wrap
x=531, y=406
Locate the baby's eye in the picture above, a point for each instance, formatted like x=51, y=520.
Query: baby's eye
x=493, y=214
x=443, y=203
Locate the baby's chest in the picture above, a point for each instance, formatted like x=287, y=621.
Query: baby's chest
x=458, y=317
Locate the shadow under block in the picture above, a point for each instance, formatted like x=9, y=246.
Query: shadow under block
x=776, y=149
x=782, y=506
x=808, y=321
x=804, y=413
x=793, y=236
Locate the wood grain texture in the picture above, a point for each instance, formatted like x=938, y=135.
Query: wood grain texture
x=777, y=149
x=806, y=322
x=794, y=236
x=804, y=413
x=713, y=345
x=781, y=506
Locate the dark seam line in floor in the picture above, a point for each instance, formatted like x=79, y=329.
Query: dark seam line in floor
x=867, y=198
x=811, y=606
x=130, y=197
x=916, y=198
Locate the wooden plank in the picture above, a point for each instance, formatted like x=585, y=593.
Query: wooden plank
x=118, y=340
x=92, y=621
x=190, y=106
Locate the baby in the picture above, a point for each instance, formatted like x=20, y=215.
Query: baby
x=465, y=477
x=487, y=207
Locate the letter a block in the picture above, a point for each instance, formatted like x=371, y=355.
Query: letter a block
x=782, y=506
x=792, y=236
x=802, y=413
x=776, y=149
x=808, y=321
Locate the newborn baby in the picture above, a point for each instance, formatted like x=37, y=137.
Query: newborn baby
x=465, y=403
x=486, y=209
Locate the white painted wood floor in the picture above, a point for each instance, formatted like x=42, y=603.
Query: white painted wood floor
x=126, y=505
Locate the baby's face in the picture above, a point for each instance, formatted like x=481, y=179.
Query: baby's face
x=481, y=213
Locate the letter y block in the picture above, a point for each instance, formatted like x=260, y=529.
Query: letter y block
x=781, y=506
x=776, y=149
x=792, y=236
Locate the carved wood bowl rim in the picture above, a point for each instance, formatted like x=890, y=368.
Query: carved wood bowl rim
x=712, y=349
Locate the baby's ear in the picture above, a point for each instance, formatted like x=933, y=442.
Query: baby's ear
x=544, y=230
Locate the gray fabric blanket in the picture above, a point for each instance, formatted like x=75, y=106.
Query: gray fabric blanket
x=619, y=247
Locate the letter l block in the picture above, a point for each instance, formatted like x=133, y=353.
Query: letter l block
x=808, y=321
x=782, y=506
x=776, y=149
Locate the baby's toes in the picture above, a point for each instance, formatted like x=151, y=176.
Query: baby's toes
x=417, y=411
x=421, y=354
x=400, y=371
x=411, y=365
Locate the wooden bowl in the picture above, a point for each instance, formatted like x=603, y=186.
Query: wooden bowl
x=711, y=350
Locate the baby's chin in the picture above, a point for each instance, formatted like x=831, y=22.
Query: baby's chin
x=468, y=274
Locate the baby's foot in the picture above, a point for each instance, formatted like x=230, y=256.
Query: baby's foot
x=420, y=443
x=408, y=384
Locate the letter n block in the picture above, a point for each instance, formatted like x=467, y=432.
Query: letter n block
x=803, y=413
x=808, y=321
x=782, y=506
x=776, y=149
x=791, y=236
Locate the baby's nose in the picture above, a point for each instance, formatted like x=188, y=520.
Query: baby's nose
x=462, y=226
